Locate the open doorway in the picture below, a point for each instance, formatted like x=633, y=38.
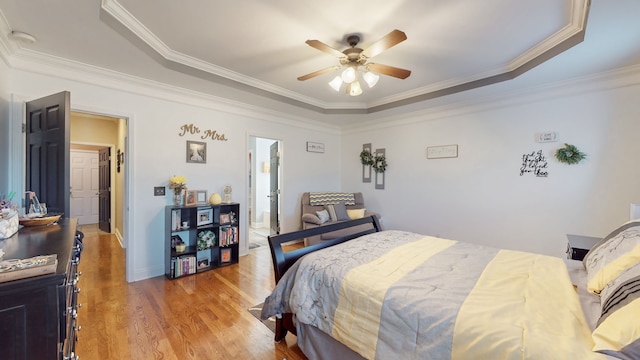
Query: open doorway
x=264, y=190
x=97, y=183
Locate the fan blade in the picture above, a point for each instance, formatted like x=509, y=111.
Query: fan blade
x=318, y=73
x=389, y=70
x=324, y=47
x=391, y=39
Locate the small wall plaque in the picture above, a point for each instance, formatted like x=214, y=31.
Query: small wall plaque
x=444, y=151
x=315, y=147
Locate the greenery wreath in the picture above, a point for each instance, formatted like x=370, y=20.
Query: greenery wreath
x=570, y=154
x=380, y=163
x=366, y=157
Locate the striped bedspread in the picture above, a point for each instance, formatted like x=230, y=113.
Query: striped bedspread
x=402, y=295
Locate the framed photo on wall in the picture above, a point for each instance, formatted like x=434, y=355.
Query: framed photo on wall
x=196, y=152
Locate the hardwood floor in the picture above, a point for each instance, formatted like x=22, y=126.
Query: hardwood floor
x=197, y=317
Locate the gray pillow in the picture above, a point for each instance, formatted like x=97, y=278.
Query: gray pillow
x=311, y=218
x=337, y=212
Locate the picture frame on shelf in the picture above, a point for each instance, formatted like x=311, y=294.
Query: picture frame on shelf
x=225, y=219
x=203, y=264
x=201, y=197
x=204, y=217
x=203, y=260
x=190, y=197
x=225, y=255
x=196, y=152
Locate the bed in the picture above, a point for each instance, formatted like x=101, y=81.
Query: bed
x=395, y=294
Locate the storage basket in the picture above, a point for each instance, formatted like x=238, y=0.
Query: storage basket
x=9, y=224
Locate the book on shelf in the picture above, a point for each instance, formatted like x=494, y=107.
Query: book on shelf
x=14, y=269
x=183, y=265
x=176, y=219
x=228, y=235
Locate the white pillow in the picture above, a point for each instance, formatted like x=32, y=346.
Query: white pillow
x=323, y=215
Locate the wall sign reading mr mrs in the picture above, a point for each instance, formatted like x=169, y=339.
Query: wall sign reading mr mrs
x=192, y=129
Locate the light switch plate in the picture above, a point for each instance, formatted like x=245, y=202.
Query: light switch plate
x=158, y=191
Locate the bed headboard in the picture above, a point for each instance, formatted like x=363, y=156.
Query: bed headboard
x=282, y=261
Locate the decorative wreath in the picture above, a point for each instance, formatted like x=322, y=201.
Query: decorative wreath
x=570, y=154
x=379, y=163
x=366, y=157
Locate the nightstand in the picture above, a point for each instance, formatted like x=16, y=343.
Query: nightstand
x=578, y=245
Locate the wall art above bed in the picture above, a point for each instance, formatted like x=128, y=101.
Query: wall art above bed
x=534, y=163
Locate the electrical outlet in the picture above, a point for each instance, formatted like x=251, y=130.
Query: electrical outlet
x=158, y=191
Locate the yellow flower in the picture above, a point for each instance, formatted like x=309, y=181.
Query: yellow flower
x=178, y=182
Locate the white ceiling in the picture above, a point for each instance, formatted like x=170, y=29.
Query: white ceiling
x=252, y=51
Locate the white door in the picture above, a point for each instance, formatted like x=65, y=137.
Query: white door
x=84, y=186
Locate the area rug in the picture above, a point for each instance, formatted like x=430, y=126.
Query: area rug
x=270, y=322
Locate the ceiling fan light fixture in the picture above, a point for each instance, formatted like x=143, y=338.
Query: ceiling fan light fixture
x=354, y=88
x=349, y=75
x=336, y=83
x=371, y=78
x=356, y=60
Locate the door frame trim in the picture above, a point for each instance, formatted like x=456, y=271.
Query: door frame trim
x=128, y=209
x=249, y=166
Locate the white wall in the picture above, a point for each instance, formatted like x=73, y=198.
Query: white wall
x=4, y=129
x=480, y=196
x=156, y=152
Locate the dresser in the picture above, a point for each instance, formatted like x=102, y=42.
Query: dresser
x=38, y=315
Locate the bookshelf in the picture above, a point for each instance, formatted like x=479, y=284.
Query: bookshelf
x=200, y=238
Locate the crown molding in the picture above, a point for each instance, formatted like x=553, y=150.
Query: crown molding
x=619, y=78
x=44, y=64
x=567, y=37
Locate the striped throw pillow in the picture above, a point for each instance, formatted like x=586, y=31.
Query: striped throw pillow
x=618, y=330
x=611, y=256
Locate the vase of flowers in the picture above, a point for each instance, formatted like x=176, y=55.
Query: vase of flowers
x=178, y=184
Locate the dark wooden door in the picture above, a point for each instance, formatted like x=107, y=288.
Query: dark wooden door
x=47, y=151
x=274, y=189
x=104, y=193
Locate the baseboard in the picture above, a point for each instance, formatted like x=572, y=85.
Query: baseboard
x=120, y=238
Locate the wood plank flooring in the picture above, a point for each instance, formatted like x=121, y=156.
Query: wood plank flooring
x=197, y=317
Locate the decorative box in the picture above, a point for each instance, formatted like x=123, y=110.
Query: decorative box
x=8, y=224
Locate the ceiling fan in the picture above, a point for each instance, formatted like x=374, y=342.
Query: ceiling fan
x=354, y=59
